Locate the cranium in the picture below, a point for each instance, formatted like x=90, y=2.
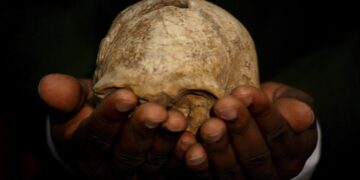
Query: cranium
x=181, y=54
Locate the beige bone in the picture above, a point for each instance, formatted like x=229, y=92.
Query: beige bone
x=182, y=54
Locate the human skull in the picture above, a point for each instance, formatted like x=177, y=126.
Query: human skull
x=181, y=54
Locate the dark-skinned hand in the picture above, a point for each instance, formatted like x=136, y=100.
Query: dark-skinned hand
x=116, y=139
x=266, y=133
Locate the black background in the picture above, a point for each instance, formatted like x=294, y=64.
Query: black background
x=311, y=45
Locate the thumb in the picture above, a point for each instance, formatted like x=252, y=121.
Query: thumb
x=298, y=114
x=64, y=93
x=294, y=105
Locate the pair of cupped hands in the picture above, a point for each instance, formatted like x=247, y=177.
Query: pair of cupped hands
x=265, y=133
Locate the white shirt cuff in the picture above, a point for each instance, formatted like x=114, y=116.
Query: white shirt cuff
x=52, y=147
x=312, y=161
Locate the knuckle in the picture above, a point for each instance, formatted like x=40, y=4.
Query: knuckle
x=277, y=135
x=257, y=160
x=99, y=143
x=157, y=159
x=153, y=164
x=260, y=166
x=125, y=163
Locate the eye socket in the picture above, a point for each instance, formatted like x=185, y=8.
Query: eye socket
x=99, y=96
x=200, y=92
x=143, y=100
x=191, y=92
x=108, y=91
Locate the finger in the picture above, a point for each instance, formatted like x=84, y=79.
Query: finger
x=63, y=132
x=197, y=162
x=163, y=144
x=176, y=167
x=249, y=96
x=219, y=150
x=298, y=114
x=274, y=91
x=187, y=139
x=136, y=137
x=66, y=96
x=271, y=123
x=63, y=92
x=296, y=105
x=296, y=108
x=96, y=134
x=291, y=162
x=300, y=118
x=250, y=148
x=170, y=132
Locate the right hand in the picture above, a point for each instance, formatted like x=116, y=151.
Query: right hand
x=116, y=139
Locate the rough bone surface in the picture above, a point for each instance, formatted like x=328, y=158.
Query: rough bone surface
x=182, y=54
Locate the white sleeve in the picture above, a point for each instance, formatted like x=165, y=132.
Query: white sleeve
x=52, y=147
x=313, y=160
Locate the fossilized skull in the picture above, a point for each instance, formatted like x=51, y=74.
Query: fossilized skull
x=182, y=54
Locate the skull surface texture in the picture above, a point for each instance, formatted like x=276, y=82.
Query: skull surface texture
x=181, y=54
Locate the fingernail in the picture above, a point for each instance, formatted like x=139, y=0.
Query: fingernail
x=150, y=124
x=175, y=123
x=227, y=113
x=214, y=137
x=196, y=159
x=122, y=107
x=173, y=128
x=186, y=143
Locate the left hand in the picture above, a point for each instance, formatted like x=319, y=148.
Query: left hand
x=266, y=133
